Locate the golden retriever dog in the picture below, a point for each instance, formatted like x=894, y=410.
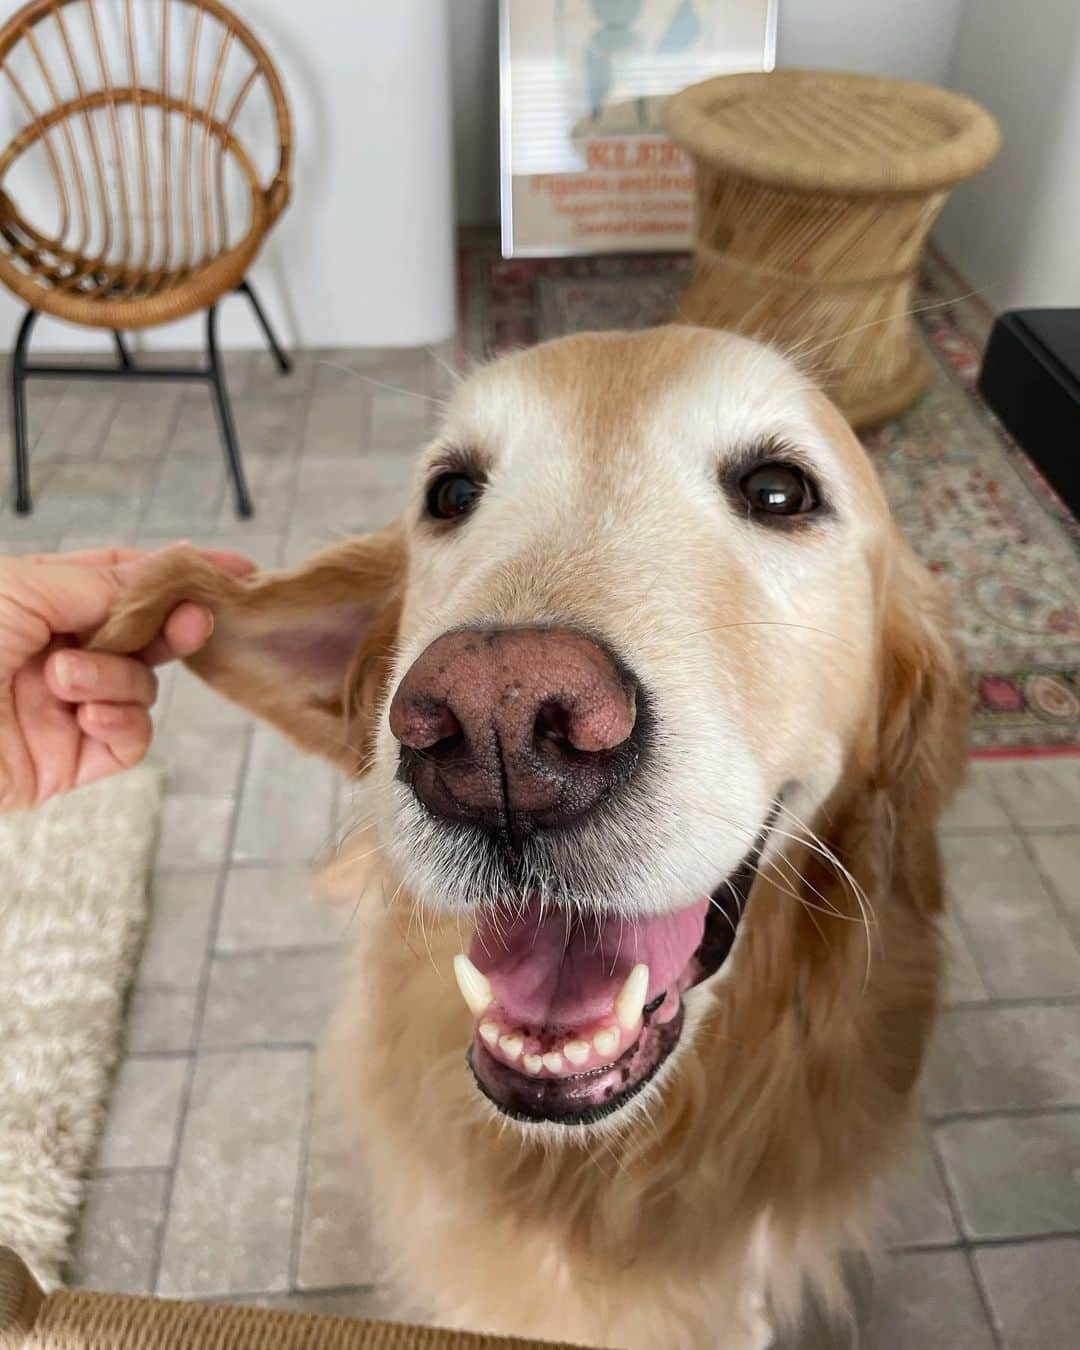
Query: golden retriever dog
x=659, y=712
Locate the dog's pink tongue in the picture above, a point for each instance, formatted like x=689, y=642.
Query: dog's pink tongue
x=556, y=970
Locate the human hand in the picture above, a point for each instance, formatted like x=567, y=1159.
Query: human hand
x=67, y=716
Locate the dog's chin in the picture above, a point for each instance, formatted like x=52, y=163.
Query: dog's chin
x=570, y=1031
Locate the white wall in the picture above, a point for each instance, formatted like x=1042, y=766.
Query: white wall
x=1013, y=231
x=364, y=253
x=908, y=39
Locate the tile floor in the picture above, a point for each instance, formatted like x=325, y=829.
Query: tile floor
x=220, y=1174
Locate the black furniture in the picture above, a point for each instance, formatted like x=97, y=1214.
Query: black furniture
x=1031, y=378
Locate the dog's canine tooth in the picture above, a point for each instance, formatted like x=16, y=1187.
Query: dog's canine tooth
x=553, y=1061
x=577, y=1052
x=533, y=1063
x=606, y=1041
x=475, y=987
x=511, y=1046
x=631, y=999
x=490, y=1032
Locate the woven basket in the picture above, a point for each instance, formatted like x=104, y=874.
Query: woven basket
x=815, y=195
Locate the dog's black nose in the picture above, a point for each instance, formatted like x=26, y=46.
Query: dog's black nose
x=515, y=728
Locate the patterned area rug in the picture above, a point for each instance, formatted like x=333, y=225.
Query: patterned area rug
x=968, y=498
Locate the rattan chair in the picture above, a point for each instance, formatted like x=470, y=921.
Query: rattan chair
x=132, y=193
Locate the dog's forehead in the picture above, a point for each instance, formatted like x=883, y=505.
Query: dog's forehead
x=600, y=392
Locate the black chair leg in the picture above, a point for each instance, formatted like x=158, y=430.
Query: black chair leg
x=283, y=361
x=122, y=351
x=20, y=438
x=225, y=419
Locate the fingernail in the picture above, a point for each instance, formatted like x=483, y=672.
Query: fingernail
x=76, y=672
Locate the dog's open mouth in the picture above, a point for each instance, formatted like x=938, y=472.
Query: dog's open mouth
x=575, y=1014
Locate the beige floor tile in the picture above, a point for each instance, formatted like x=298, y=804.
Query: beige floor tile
x=1057, y=856
x=963, y=982
x=993, y=1059
x=1014, y=1176
x=927, y=1301
x=200, y=761
x=286, y=813
x=1038, y=794
x=270, y=426
x=144, y=1111
x=15, y=529
x=1032, y=1291
x=271, y=480
x=18, y=548
x=976, y=805
x=195, y=705
x=337, y=1243
x=269, y=998
x=77, y=425
x=403, y=367
x=189, y=489
x=267, y=381
x=140, y=428
x=308, y=538
x=159, y=1020
x=196, y=432
x=256, y=541
x=343, y=494
x=84, y=496
x=400, y=420
x=231, y=1221
x=118, y=1232
x=918, y=1209
x=166, y=678
x=178, y=930
x=1018, y=938
x=339, y=423
x=194, y=830
x=275, y=907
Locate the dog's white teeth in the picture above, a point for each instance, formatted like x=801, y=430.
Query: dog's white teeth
x=606, y=1041
x=631, y=999
x=533, y=1063
x=577, y=1052
x=490, y=1032
x=511, y=1046
x=475, y=987
x=553, y=1061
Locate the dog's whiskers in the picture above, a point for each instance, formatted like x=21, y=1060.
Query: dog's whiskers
x=380, y=384
x=769, y=623
x=859, y=894
x=798, y=351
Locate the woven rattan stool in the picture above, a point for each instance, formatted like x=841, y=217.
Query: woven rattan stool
x=815, y=195
x=146, y=198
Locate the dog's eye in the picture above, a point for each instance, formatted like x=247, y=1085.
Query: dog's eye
x=779, y=490
x=452, y=495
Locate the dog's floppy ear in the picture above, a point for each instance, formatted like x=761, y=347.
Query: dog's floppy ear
x=308, y=650
x=924, y=703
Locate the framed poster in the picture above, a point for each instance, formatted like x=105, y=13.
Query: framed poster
x=585, y=164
